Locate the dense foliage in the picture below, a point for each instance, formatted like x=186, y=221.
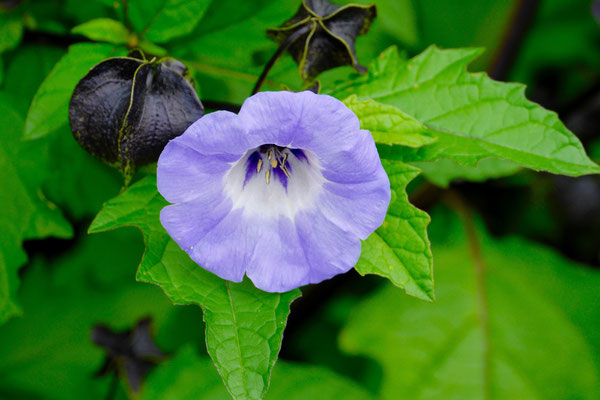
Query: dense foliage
x=491, y=193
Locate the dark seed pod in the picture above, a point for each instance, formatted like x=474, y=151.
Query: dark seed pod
x=125, y=110
x=9, y=4
x=322, y=35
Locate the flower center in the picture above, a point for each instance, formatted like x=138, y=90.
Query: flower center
x=272, y=179
x=276, y=156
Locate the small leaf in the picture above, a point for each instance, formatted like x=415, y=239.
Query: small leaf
x=49, y=108
x=103, y=30
x=244, y=325
x=11, y=29
x=389, y=125
x=486, y=338
x=472, y=116
x=322, y=34
x=152, y=49
x=176, y=18
x=399, y=250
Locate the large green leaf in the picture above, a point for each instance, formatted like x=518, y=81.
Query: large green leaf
x=443, y=171
x=518, y=321
x=24, y=212
x=49, y=109
x=188, y=376
x=175, y=18
x=48, y=352
x=103, y=30
x=244, y=325
x=399, y=250
x=472, y=116
x=388, y=124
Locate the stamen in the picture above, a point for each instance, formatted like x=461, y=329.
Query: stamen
x=274, y=163
x=283, y=166
x=268, y=175
x=259, y=166
x=270, y=153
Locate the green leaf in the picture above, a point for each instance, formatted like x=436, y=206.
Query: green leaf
x=175, y=18
x=472, y=116
x=70, y=177
x=388, y=12
x=399, y=250
x=485, y=25
x=11, y=29
x=25, y=71
x=91, y=284
x=388, y=124
x=49, y=108
x=78, y=183
x=443, y=171
x=103, y=30
x=25, y=214
x=188, y=376
x=227, y=70
x=526, y=328
x=244, y=325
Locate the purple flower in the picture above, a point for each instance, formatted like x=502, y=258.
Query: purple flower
x=282, y=191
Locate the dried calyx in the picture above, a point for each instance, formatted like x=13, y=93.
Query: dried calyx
x=125, y=110
x=322, y=35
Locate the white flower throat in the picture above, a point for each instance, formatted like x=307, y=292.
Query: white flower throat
x=274, y=180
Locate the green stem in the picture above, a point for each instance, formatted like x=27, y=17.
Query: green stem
x=283, y=47
x=126, y=15
x=465, y=213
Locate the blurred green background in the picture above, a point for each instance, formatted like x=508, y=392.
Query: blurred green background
x=529, y=330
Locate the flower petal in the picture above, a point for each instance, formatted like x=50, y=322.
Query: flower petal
x=278, y=263
x=185, y=174
x=217, y=239
x=218, y=133
x=329, y=249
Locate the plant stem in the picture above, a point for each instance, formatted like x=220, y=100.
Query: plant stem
x=113, y=385
x=521, y=21
x=126, y=15
x=283, y=47
x=457, y=202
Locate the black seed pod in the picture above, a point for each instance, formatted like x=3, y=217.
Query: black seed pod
x=322, y=35
x=125, y=110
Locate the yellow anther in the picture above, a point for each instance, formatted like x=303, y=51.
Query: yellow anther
x=268, y=176
x=285, y=170
x=284, y=159
x=259, y=166
x=270, y=153
x=274, y=163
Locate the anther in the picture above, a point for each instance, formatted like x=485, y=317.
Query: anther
x=274, y=163
x=270, y=153
x=268, y=175
x=259, y=166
